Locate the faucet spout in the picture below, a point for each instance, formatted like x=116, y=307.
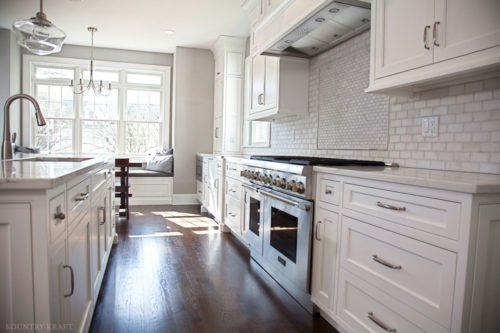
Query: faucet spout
x=7, y=145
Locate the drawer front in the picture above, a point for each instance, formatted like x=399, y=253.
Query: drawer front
x=416, y=273
x=436, y=216
x=78, y=199
x=100, y=178
x=366, y=309
x=234, y=169
x=328, y=191
x=57, y=216
x=233, y=209
x=233, y=188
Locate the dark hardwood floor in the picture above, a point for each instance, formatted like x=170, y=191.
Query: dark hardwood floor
x=172, y=271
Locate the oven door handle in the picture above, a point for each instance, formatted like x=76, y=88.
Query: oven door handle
x=300, y=205
x=250, y=187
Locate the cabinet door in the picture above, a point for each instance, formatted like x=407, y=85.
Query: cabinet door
x=218, y=95
x=485, y=298
x=401, y=29
x=94, y=239
x=218, y=134
x=16, y=282
x=232, y=110
x=101, y=224
x=258, y=77
x=79, y=261
x=272, y=72
x=464, y=26
x=324, y=259
x=272, y=5
x=111, y=215
x=59, y=274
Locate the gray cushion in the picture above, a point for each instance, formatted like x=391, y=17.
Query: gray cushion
x=165, y=152
x=161, y=163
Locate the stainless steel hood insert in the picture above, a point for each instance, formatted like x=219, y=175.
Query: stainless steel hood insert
x=331, y=25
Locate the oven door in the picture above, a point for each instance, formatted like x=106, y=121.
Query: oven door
x=287, y=235
x=253, y=219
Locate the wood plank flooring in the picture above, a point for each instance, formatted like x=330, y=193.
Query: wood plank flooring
x=172, y=271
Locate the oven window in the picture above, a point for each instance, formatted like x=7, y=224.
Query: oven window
x=284, y=229
x=254, y=223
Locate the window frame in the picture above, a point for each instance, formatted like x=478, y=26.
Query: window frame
x=31, y=62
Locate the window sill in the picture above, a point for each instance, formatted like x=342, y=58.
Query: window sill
x=262, y=145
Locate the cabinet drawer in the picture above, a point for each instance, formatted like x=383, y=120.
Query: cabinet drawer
x=328, y=191
x=436, y=216
x=57, y=216
x=358, y=302
x=233, y=188
x=418, y=274
x=233, y=210
x=234, y=169
x=78, y=198
x=100, y=178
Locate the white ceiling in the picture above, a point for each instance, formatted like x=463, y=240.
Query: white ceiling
x=136, y=24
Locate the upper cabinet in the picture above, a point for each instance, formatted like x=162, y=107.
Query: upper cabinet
x=423, y=43
x=279, y=86
x=229, y=54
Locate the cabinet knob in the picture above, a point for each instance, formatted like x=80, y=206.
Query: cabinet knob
x=82, y=197
x=59, y=216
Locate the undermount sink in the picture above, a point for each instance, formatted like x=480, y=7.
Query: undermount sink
x=56, y=159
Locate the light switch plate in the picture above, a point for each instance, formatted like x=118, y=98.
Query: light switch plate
x=430, y=126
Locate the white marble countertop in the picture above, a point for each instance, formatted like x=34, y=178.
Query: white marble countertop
x=467, y=182
x=22, y=173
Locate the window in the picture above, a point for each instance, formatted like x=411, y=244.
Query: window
x=133, y=119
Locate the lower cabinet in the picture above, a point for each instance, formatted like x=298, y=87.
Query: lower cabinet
x=325, y=250
x=78, y=264
x=54, y=247
x=381, y=263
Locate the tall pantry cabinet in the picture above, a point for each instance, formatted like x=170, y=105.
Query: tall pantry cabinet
x=229, y=54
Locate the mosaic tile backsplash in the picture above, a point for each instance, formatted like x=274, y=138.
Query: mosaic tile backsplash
x=469, y=122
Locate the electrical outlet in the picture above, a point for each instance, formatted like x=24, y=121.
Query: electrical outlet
x=430, y=126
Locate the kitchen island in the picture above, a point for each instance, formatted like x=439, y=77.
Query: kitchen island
x=56, y=234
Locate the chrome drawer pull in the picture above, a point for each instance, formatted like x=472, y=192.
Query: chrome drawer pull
x=385, y=263
x=103, y=211
x=426, y=44
x=379, y=323
x=387, y=206
x=434, y=33
x=316, y=231
x=72, y=280
x=328, y=191
x=82, y=197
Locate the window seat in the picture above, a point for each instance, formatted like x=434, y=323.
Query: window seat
x=150, y=187
x=148, y=173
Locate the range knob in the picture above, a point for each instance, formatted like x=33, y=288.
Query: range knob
x=262, y=178
x=276, y=181
x=300, y=188
x=282, y=183
x=269, y=179
x=290, y=185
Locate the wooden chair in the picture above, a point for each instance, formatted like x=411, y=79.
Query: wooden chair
x=122, y=187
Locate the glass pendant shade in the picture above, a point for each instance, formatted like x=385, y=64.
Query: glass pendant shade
x=38, y=35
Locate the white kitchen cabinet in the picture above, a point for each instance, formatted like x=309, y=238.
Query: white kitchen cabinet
x=399, y=49
x=279, y=86
x=234, y=200
x=442, y=41
x=16, y=274
x=47, y=233
x=229, y=53
x=325, y=250
x=411, y=258
x=79, y=258
x=214, y=195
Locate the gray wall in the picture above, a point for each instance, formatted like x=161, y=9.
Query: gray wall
x=10, y=79
x=469, y=120
x=193, y=99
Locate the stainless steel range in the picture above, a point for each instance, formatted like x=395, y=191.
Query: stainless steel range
x=279, y=215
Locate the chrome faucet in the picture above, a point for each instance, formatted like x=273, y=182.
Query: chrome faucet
x=7, y=145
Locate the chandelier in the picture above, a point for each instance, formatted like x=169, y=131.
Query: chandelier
x=99, y=89
x=38, y=35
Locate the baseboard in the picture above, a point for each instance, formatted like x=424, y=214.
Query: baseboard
x=185, y=199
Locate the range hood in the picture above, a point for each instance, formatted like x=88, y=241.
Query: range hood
x=329, y=26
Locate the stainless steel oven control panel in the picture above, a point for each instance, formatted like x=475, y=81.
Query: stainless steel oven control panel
x=280, y=181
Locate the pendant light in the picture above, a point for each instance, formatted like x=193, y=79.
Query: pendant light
x=38, y=35
x=99, y=89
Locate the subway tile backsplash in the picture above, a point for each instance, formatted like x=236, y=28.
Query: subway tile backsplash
x=469, y=123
